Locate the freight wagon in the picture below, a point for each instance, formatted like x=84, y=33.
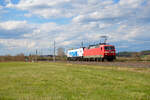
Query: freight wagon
x=75, y=54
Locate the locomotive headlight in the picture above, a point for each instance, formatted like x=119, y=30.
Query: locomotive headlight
x=106, y=52
x=112, y=51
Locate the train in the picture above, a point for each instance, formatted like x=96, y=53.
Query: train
x=98, y=52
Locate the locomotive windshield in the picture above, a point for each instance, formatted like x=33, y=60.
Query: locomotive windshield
x=109, y=48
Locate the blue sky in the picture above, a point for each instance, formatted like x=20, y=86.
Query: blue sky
x=27, y=25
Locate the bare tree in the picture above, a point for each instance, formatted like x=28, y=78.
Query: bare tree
x=60, y=52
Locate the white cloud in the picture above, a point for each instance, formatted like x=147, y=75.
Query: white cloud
x=78, y=18
x=1, y=7
x=131, y=3
x=9, y=25
x=78, y=9
x=7, y=1
x=44, y=8
x=15, y=44
x=104, y=25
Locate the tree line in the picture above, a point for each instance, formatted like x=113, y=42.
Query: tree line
x=34, y=57
x=142, y=55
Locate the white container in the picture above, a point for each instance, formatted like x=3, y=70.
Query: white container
x=75, y=53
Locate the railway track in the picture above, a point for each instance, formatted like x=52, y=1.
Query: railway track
x=135, y=64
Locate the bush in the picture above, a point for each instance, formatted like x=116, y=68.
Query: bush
x=19, y=57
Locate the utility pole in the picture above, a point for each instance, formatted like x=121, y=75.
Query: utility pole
x=82, y=44
x=36, y=55
x=54, y=58
x=105, y=40
x=36, y=52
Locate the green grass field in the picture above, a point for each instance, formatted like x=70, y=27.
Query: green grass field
x=64, y=81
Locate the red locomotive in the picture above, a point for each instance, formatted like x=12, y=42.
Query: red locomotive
x=100, y=52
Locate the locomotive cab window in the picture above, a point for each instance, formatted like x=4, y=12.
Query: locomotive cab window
x=109, y=48
x=101, y=48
